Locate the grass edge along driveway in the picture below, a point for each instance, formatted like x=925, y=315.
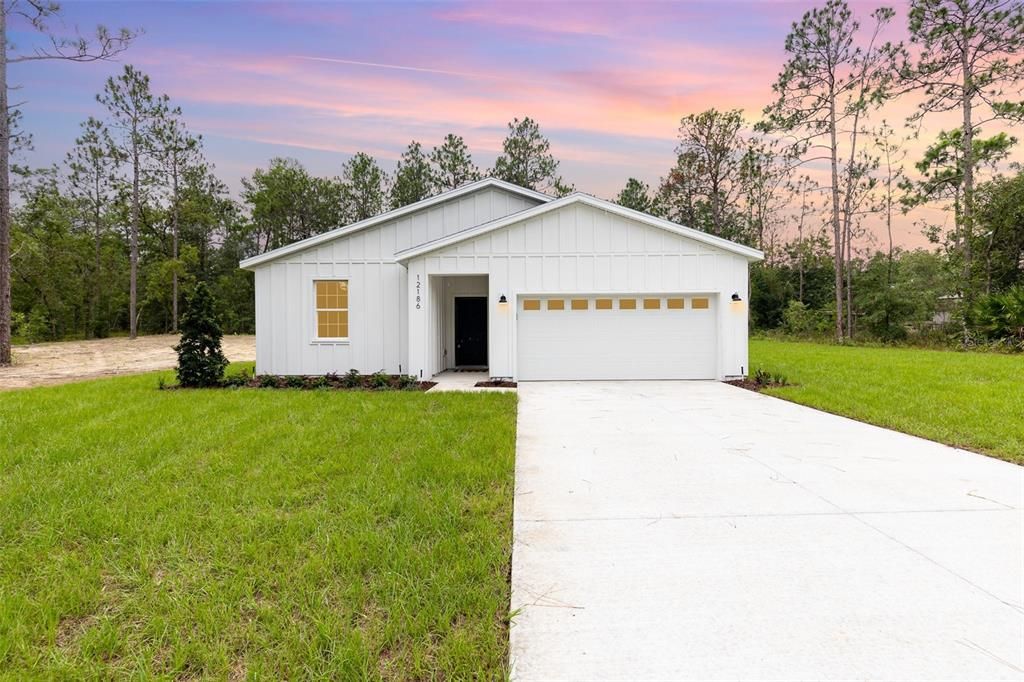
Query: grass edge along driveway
x=253, y=533
x=973, y=401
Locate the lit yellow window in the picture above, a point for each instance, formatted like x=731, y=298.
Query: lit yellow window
x=627, y=304
x=556, y=304
x=580, y=304
x=332, y=308
x=675, y=304
x=652, y=303
x=603, y=304
x=699, y=304
x=531, y=304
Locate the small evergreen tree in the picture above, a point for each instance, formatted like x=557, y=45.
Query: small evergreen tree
x=413, y=178
x=637, y=196
x=526, y=159
x=201, y=361
x=452, y=165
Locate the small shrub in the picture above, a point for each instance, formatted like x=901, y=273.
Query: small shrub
x=321, y=382
x=295, y=381
x=201, y=361
x=237, y=380
x=1000, y=317
x=406, y=382
x=379, y=380
x=352, y=379
x=765, y=378
x=267, y=381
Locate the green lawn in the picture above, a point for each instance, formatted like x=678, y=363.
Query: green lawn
x=271, y=534
x=970, y=400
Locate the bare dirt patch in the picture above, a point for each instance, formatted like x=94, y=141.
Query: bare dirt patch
x=42, y=364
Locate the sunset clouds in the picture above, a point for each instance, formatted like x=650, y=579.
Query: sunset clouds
x=608, y=82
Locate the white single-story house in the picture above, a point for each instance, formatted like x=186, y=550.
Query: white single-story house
x=495, y=276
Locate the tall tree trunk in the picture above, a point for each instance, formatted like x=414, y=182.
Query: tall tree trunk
x=174, y=253
x=849, y=280
x=967, y=209
x=97, y=275
x=133, y=323
x=5, y=201
x=837, y=234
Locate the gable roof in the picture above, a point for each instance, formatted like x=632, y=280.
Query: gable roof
x=588, y=200
x=346, y=230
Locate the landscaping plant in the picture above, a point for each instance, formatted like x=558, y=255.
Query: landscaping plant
x=201, y=361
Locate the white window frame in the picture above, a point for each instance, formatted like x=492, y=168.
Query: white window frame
x=316, y=323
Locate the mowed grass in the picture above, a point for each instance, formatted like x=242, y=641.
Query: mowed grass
x=969, y=400
x=261, y=534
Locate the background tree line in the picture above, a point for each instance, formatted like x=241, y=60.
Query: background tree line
x=823, y=165
x=112, y=239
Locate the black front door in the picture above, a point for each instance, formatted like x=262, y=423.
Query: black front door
x=471, y=331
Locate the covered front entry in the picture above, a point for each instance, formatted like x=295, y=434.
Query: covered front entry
x=459, y=304
x=470, y=331
x=628, y=336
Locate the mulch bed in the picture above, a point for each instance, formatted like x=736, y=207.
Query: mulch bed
x=753, y=385
x=495, y=383
x=333, y=382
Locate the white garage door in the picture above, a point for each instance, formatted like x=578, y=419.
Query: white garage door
x=617, y=337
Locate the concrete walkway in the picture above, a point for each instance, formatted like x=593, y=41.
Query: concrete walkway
x=462, y=381
x=693, y=530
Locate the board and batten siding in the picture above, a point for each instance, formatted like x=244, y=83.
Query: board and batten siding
x=582, y=249
x=378, y=289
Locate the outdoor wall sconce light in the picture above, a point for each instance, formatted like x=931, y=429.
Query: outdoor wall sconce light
x=736, y=298
x=502, y=300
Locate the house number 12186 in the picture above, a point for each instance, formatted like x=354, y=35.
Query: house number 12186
x=418, y=291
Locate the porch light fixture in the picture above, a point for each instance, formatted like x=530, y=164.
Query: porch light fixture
x=736, y=298
x=502, y=300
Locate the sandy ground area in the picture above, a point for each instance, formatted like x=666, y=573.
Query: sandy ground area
x=57, y=363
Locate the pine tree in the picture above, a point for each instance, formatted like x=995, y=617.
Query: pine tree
x=968, y=59
x=413, y=178
x=526, y=158
x=201, y=361
x=135, y=113
x=452, y=165
x=363, y=185
x=637, y=196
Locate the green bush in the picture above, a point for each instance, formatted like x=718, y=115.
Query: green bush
x=406, y=382
x=352, y=379
x=1000, y=317
x=799, y=320
x=201, y=361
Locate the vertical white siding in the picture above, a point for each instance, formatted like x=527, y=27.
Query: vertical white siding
x=378, y=290
x=581, y=249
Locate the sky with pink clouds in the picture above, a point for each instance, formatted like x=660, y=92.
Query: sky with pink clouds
x=607, y=82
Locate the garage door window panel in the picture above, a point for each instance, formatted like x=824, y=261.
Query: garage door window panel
x=700, y=304
x=556, y=304
x=627, y=304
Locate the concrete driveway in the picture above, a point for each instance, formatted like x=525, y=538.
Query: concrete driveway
x=693, y=530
